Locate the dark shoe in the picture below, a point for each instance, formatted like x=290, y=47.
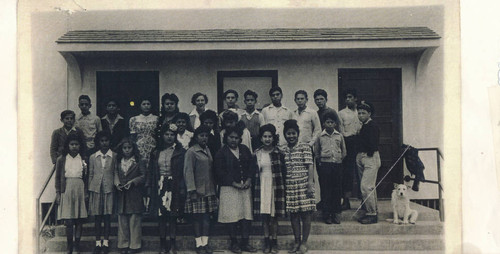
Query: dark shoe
x=267, y=245
x=131, y=251
x=97, y=250
x=336, y=218
x=207, y=249
x=200, y=250
x=369, y=219
x=105, y=249
x=274, y=246
x=295, y=248
x=69, y=248
x=124, y=251
x=235, y=247
x=329, y=220
x=245, y=246
x=346, y=204
x=303, y=248
x=173, y=247
x=163, y=246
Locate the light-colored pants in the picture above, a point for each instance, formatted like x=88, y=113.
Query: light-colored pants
x=129, y=231
x=367, y=170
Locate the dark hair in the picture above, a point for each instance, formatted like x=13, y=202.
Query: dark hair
x=135, y=150
x=231, y=91
x=300, y=92
x=331, y=115
x=321, y=92
x=269, y=127
x=84, y=97
x=185, y=116
x=231, y=130
x=67, y=112
x=250, y=93
x=112, y=100
x=172, y=97
x=350, y=91
x=367, y=106
x=290, y=124
x=208, y=114
x=161, y=143
x=228, y=116
x=99, y=135
x=274, y=89
x=196, y=95
x=72, y=137
x=201, y=129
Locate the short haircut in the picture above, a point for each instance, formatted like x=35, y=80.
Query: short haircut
x=320, y=92
x=209, y=114
x=290, y=124
x=229, y=116
x=269, y=127
x=352, y=91
x=185, y=116
x=84, y=97
x=301, y=92
x=99, y=135
x=113, y=100
x=72, y=137
x=198, y=131
x=228, y=131
x=67, y=112
x=331, y=115
x=250, y=93
x=274, y=89
x=196, y=95
x=367, y=106
x=231, y=91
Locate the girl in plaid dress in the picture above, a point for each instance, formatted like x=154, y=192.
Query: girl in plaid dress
x=199, y=178
x=300, y=202
x=269, y=190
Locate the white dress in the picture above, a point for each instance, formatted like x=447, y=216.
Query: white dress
x=266, y=183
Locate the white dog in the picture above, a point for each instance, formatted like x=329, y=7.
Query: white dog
x=401, y=206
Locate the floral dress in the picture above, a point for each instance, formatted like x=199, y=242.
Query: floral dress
x=144, y=127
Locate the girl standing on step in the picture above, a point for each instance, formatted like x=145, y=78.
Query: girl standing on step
x=129, y=179
x=101, y=190
x=299, y=185
x=234, y=176
x=168, y=191
x=199, y=178
x=268, y=185
x=71, y=189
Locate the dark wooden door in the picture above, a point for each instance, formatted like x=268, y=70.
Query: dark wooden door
x=382, y=87
x=128, y=87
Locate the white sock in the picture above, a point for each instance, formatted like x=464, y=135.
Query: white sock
x=105, y=242
x=199, y=242
x=98, y=243
x=204, y=240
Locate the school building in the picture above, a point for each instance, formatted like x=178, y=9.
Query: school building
x=394, y=57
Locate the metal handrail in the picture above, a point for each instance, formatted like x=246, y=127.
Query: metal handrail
x=40, y=224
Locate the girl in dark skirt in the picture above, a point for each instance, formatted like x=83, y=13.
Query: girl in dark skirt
x=199, y=178
x=168, y=190
x=268, y=185
x=71, y=189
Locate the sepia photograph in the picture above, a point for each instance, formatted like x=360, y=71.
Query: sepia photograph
x=227, y=128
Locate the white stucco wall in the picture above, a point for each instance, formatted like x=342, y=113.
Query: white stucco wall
x=422, y=99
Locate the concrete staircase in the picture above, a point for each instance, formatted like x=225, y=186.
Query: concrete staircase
x=348, y=237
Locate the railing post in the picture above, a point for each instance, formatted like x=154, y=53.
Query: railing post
x=441, y=206
x=38, y=215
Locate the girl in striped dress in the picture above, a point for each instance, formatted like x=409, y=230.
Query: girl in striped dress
x=299, y=185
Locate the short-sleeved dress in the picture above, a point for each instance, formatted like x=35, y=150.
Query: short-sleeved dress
x=144, y=127
x=297, y=160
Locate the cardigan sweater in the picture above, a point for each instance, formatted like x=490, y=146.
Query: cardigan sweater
x=229, y=169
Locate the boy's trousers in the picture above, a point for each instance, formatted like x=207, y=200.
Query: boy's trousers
x=330, y=181
x=367, y=170
x=129, y=231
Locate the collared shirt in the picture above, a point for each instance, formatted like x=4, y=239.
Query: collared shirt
x=350, y=125
x=165, y=161
x=309, y=125
x=277, y=117
x=109, y=154
x=73, y=166
x=70, y=130
x=126, y=164
x=90, y=125
x=185, y=138
x=330, y=147
x=196, y=116
x=112, y=124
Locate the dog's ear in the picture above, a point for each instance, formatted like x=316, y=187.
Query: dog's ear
x=396, y=185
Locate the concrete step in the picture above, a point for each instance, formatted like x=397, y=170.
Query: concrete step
x=316, y=242
x=284, y=228
x=286, y=252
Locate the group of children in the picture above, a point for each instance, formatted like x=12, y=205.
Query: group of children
x=178, y=165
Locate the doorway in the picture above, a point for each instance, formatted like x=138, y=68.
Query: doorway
x=381, y=87
x=127, y=87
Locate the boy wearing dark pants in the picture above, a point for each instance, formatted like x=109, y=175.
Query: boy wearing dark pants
x=368, y=161
x=330, y=150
